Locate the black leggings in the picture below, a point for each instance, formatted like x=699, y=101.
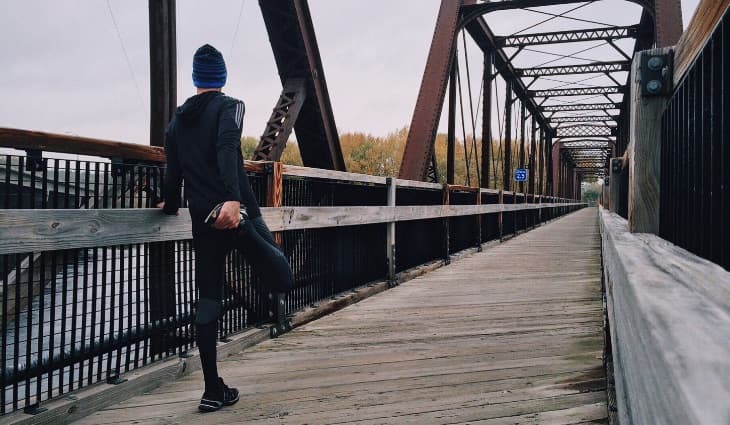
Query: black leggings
x=255, y=242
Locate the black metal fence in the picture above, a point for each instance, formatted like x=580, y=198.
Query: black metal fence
x=695, y=159
x=75, y=317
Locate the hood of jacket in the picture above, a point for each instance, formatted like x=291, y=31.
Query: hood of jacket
x=194, y=107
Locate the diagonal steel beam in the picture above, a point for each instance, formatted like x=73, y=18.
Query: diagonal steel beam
x=424, y=124
x=558, y=37
x=592, y=68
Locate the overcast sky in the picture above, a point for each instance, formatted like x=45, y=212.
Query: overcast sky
x=65, y=69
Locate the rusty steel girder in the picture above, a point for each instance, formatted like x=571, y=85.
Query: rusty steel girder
x=291, y=33
x=422, y=134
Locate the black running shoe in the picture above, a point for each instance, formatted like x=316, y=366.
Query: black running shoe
x=225, y=397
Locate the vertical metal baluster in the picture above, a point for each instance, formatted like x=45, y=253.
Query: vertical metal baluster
x=120, y=321
x=146, y=290
x=52, y=322
x=64, y=303
x=55, y=184
x=84, y=314
x=67, y=185
x=178, y=310
x=16, y=329
x=41, y=322
x=21, y=172
x=4, y=325
x=93, y=317
x=105, y=186
x=74, y=314
x=112, y=363
x=130, y=303
x=137, y=304
x=6, y=198
x=29, y=319
x=102, y=319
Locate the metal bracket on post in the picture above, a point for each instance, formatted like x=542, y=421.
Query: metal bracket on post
x=390, y=234
x=614, y=190
x=282, y=324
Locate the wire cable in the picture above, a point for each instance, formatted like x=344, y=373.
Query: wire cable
x=562, y=15
x=235, y=33
x=126, y=56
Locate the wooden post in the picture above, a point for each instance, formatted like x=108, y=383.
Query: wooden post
x=275, y=198
x=645, y=145
x=500, y=220
x=447, y=234
x=479, y=221
x=390, y=235
x=275, y=191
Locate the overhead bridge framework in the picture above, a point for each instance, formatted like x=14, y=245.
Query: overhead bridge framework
x=545, y=117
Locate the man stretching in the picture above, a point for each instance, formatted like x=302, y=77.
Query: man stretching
x=203, y=147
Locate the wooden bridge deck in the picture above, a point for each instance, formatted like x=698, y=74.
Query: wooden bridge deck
x=512, y=335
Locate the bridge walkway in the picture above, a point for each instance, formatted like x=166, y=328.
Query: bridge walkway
x=511, y=335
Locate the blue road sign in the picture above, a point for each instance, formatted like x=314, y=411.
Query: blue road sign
x=521, y=175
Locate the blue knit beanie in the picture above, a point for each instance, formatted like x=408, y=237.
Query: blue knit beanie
x=209, y=68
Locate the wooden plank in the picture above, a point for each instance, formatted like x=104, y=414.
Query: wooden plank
x=705, y=20
x=319, y=173
x=644, y=150
x=48, y=142
x=49, y=230
x=669, y=313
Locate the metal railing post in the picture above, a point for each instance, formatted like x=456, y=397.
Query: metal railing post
x=391, y=187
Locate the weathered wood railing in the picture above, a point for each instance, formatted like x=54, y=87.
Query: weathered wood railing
x=96, y=283
x=669, y=312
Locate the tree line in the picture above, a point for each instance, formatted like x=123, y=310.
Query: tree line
x=382, y=155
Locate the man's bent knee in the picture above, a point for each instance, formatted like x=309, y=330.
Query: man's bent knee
x=209, y=310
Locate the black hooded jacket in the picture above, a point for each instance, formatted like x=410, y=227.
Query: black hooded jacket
x=203, y=146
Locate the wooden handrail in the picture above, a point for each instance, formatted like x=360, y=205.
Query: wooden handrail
x=40, y=141
x=707, y=17
x=50, y=230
